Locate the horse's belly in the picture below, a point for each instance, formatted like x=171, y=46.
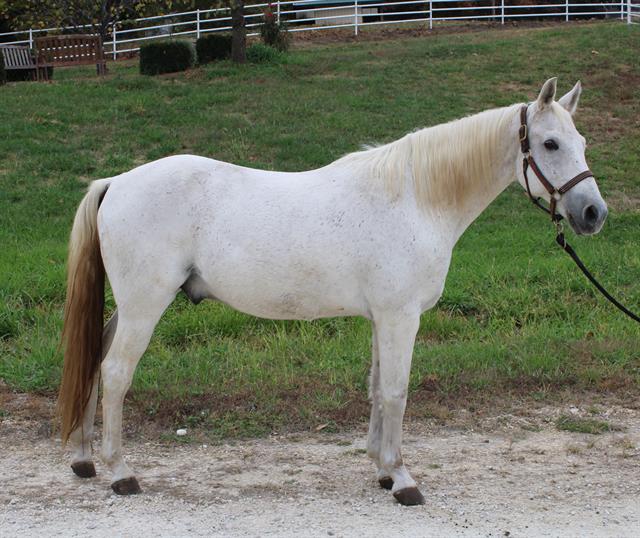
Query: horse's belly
x=284, y=295
x=291, y=306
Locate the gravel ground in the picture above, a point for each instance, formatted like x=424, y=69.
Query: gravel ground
x=508, y=476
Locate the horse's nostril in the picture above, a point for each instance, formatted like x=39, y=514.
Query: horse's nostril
x=591, y=214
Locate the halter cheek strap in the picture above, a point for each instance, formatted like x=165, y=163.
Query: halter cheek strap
x=529, y=162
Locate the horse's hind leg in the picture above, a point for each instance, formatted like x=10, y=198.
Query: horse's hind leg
x=136, y=321
x=80, y=438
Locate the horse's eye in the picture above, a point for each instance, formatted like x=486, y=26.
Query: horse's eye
x=551, y=145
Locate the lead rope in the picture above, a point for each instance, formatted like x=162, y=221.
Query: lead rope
x=562, y=242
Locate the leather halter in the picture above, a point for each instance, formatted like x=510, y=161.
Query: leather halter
x=529, y=162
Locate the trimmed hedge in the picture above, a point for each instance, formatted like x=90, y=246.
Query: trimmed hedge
x=3, y=73
x=212, y=47
x=166, y=57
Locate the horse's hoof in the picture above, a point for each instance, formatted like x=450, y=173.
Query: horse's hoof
x=409, y=496
x=126, y=486
x=386, y=482
x=84, y=469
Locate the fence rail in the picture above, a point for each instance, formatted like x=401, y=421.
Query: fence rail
x=316, y=15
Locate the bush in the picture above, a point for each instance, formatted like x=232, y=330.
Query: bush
x=259, y=53
x=166, y=57
x=3, y=74
x=212, y=47
x=274, y=33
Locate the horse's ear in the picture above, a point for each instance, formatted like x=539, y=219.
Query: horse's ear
x=547, y=93
x=570, y=100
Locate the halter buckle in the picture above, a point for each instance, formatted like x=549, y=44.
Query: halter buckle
x=523, y=132
x=559, y=227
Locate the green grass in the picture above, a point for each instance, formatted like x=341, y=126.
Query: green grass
x=584, y=425
x=515, y=317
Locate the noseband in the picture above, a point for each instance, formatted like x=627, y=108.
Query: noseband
x=529, y=162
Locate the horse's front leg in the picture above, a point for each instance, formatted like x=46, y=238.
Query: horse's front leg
x=395, y=336
x=374, y=438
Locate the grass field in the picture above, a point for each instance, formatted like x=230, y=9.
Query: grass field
x=516, y=317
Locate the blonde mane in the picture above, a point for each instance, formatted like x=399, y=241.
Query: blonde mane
x=446, y=163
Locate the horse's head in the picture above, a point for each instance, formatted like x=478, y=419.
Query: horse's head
x=557, y=149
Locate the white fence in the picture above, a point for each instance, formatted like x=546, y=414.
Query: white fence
x=318, y=15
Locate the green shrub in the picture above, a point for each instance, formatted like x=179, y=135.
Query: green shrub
x=3, y=74
x=259, y=53
x=212, y=47
x=166, y=57
x=274, y=33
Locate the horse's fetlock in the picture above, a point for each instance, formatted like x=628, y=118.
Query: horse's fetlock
x=391, y=461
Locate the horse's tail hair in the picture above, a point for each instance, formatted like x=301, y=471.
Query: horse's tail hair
x=83, y=312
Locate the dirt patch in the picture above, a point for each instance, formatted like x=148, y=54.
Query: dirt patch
x=377, y=33
x=612, y=120
x=510, y=476
x=212, y=417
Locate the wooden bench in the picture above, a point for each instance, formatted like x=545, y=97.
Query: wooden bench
x=17, y=58
x=68, y=50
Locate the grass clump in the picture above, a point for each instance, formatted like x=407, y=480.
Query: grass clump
x=259, y=53
x=166, y=57
x=592, y=426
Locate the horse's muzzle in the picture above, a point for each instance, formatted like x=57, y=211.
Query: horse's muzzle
x=587, y=218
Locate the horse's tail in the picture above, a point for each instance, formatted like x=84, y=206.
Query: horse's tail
x=83, y=311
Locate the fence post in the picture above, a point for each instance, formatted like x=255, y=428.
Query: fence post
x=198, y=24
x=628, y=11
x=566, y=11
x=30, y=38
x=113, y=39
x=430, y=14
x=501, y=11
x=355, y=16
x=278, y=12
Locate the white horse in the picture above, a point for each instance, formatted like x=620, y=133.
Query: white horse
x=371, y=235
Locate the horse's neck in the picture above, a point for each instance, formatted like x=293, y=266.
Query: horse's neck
x=480, y=195
x=464, y=216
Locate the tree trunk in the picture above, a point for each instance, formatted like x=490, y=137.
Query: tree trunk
x=239, y=38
